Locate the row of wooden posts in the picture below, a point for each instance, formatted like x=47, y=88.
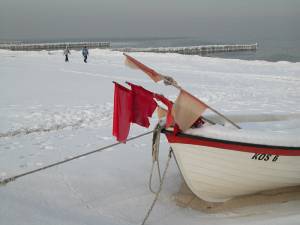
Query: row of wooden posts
x=195, y=49
x=53, y=46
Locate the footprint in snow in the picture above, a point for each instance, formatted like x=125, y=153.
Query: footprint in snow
x=24, y=165
x=105, y=138
x=139, y=145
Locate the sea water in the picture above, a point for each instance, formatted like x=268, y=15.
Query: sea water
x=268, y=49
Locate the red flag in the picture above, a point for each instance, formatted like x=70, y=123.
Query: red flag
x=143, y=105
x=122, y=112
x=151, y=73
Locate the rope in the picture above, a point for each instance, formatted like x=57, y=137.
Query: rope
x=160, y=187
x=7, y=180
x=155, y=155
x=151, y=175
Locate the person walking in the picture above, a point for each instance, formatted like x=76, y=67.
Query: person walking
x=66, y=53
x=85, y=53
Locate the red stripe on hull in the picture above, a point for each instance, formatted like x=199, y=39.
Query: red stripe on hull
x=235, y=146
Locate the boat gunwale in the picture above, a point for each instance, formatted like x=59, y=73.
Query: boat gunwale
x=230, y=145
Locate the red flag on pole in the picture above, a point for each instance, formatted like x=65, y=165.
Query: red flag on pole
x=151, y=73
x=122, y=112
x=143, y=105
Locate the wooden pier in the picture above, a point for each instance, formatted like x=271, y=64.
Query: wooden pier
x=52, y=46
x=195, y=50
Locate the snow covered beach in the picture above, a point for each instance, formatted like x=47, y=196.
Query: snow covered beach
x=51, y=110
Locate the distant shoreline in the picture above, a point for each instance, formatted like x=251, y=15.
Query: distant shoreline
x=269, y=50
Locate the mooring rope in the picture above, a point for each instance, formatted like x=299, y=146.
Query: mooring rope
x=7, y=180
x=155, y=155
x=160, y=187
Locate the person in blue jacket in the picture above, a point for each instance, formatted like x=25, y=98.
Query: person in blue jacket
x=85, y=53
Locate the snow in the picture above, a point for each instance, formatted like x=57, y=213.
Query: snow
x=51, y=110
x=287, y=135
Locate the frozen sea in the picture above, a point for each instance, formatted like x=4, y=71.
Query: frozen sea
x=51, y=110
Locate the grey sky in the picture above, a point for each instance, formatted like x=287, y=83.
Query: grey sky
x=210, y=19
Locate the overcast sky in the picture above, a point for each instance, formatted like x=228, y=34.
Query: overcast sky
x=210, y=19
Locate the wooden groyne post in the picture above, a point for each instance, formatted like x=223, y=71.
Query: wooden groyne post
x=53, y=46
x=195, y=50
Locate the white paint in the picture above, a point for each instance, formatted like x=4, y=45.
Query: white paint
x=217, y=175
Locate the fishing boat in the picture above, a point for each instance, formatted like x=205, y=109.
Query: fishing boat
x=219, y=163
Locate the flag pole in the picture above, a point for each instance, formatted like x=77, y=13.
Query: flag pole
x=169, y=81
x=224, y=117
x=174, y=84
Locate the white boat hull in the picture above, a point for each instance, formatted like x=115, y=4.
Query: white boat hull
x=216, y=174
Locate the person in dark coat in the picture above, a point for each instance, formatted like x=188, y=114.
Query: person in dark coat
x=66, y=53
x=85, y=53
